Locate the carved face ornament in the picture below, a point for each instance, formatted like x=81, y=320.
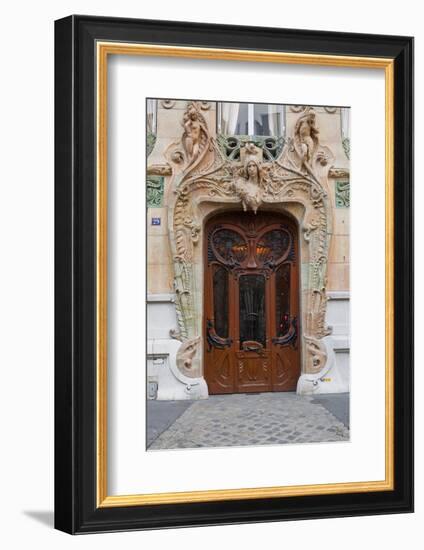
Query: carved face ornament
x=305, y=129
x=252, y=170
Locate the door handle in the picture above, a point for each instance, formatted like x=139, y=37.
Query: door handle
x=290, y=337
x=213, y=339
x=251, y=345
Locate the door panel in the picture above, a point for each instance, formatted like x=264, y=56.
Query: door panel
x=285, y=373
x=223, y=373
x=253, y=372
x=251, y=303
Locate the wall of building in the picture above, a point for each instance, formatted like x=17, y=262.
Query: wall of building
x=161, y=298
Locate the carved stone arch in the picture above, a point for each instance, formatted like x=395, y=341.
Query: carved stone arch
x=209, y=184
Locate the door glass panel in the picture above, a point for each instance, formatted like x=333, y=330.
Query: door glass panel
x=252, y=309
x=272, y=246
x=282, y=305
x=220, y=301
x=229, y=246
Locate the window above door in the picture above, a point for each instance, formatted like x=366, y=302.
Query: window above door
x=260, y=123
x=251, y=119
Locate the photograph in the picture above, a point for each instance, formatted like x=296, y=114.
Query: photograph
x=210, y=307
x=248, y=297
x=233, y=325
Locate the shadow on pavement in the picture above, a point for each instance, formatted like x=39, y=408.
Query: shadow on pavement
x=161, y=414
x=335, y=403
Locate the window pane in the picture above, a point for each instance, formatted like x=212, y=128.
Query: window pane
x=151, y=116
x=345, y=122
x=233, y=119
x=282, y=306
x=272, y=246
x=261, y=124
x=230, y=246
x=242, y=120
x=268, y=120
x=220, y=301
x=252, y=309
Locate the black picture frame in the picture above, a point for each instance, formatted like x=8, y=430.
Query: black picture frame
x=76, y=509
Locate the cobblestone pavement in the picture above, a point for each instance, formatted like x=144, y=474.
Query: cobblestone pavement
x=252, y=419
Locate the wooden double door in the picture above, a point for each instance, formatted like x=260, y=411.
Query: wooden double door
x=251, y=303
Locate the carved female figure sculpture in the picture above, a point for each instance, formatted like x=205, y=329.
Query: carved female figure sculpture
x=250, y=185
x=306, y=137
x=192, y=137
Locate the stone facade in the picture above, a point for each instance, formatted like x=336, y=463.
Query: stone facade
x=190, y=177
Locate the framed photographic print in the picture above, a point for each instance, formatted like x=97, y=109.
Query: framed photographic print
x=234, y=283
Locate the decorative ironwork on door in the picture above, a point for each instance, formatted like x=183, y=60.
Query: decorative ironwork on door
x=251, y=303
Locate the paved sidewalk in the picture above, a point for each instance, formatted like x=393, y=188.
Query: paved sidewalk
x=161, y=415
x=336, y=403
x=251, y=419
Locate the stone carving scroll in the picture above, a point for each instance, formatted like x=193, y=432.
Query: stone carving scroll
x=316, y=355
x=186, y=355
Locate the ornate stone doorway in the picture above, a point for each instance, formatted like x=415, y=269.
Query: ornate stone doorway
x=251, y=303
x=293, y=186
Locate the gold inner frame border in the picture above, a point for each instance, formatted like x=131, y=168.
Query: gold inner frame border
x=103, y=50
